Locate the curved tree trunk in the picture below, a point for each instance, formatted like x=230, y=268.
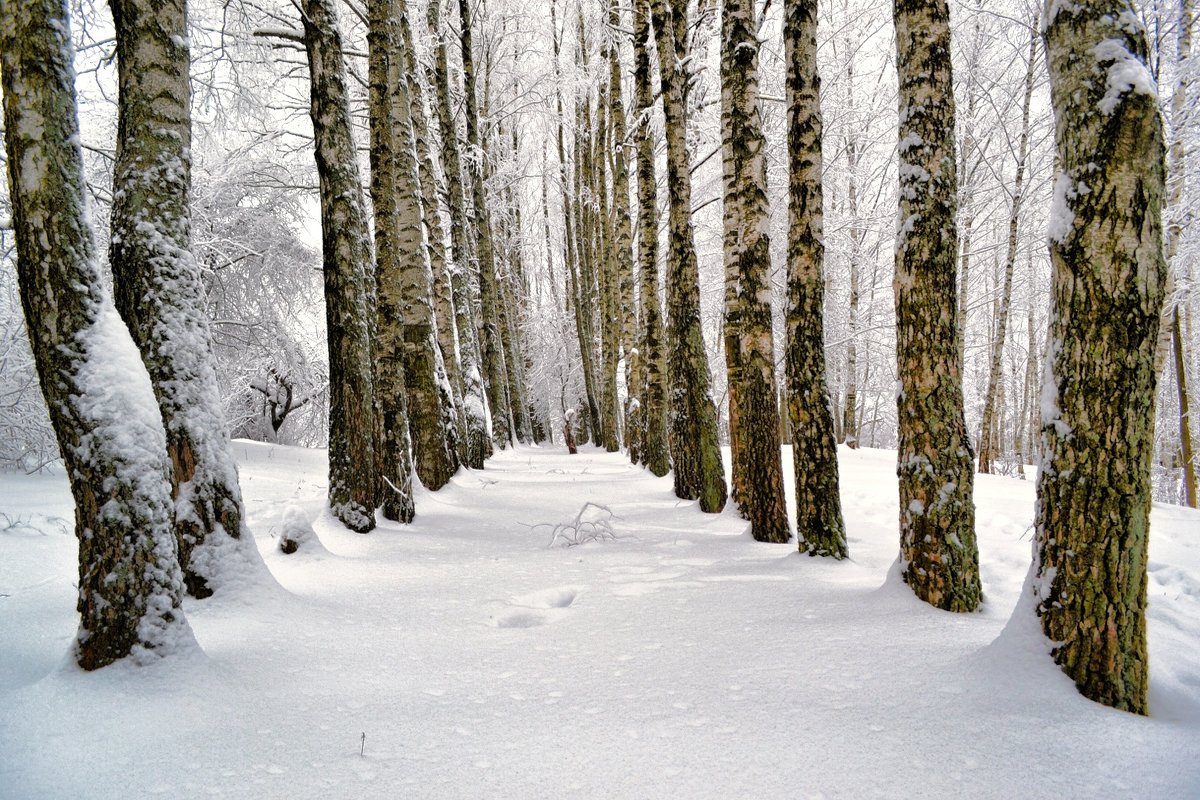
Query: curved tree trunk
x=353, y=481
x=157, y=285
x=939, y=556
x=695, y=451
x=819, y=523
x=749, y=343
x=1106, y=255
x=101, y=405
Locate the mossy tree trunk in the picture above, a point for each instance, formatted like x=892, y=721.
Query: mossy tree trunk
x=103, y=410
x=652, y=355
x=819, y=524
x=157, y=284
x=393, y=445
x=1107, y=292
x=346, y=253
x=695, y=450
x=939, y=556
x=749, y=343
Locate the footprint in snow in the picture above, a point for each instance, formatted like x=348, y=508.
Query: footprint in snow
x=536, y=608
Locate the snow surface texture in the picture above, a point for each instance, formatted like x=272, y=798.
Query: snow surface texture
x=679, y=659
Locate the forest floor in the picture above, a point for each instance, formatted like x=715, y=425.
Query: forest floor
x=468, y=655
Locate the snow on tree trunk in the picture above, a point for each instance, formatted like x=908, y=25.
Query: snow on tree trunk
x=493, y=348
x=157, y=285
x=393, y=444
x=819, y=524
x=610, y=312
x=430, y=402
x=938, y=553
x=103, y=410
x=749, y=343
x=1107, y=292
x=695, y=451
x=440, y=258
x=346, y=255
x=656, y=453
x=477, y=446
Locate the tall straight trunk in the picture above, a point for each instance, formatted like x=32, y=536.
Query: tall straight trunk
x=749, y=343
x=1106, y=254
x=695, y=450
x=656, y=451
x=850, y=420
x=1025, y=431
x=101, y=405
x=493, y=347
x=514, y=299
x=430, y=407
x=988, y=442
x=393, y=443
x=157, y=285
x=610, y=315
x=574, y=217
x=939, y=556
x=346, y=254
x=477, y=445
x=1171, y=327
x=819, y=522
x=626, y=307
x=440, y=258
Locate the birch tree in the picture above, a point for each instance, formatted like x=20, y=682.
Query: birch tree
x=157, y=285
x=749, y=344
x=103, y=410
x=938, y=554
x=1106, y=251
x=819, y=521
x=695, y=452
x=346, y=255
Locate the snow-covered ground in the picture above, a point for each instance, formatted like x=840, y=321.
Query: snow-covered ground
x=680, y=660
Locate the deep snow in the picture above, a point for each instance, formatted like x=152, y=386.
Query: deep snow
x=681, y=659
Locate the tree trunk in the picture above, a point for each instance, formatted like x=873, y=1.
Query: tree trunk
x=819, y=524
x=656, y=453
x=749, y=343
x=695, y=450
x=477, y=446
x=440, y=258
x=1107, y=260
x=938, y=553
x=493, y=348
x=988, y=441
x=108, y=427
x=610, y=313
x=393, y=443
x=157, y=285
x=353, y=473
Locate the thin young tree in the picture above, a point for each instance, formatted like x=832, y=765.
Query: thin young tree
x=695, y=450
x=939, y=556
x=819, y=524
x=157, y=285
x=749, y=342
x=108, y=426
x=1107, y=292
x=347, y=267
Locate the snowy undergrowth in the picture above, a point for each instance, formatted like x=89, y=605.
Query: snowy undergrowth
x=678, y=659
